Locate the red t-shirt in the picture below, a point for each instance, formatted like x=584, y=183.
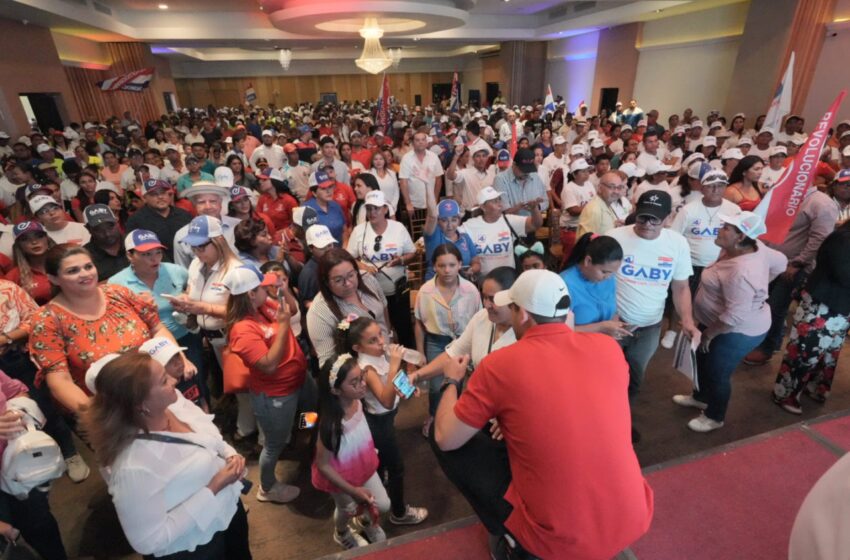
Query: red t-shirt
x=40, y=290
x=561, y=399
x=6, y=264
x=364, y=156
x=278, y=208
x=251, y=339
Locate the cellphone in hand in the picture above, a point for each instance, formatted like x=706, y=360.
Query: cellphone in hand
x=246, y=486
x=307, y=420
x=403, y=384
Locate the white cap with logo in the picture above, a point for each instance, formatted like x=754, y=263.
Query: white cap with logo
x=319, y=236
x=541, y=292
x=749, y=223
x=161, y=349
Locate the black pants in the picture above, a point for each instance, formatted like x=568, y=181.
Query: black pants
x=383, y=434
x=32, y=517
x=398, y=306
x=17, y=365
x=230, y=544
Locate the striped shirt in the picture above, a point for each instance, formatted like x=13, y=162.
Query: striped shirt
x=447, y=318
x=322, y=323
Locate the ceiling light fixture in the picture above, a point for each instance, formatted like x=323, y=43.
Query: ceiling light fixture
x=395, y=56
x=163, y=6
x=285, y=58
x=372, y=59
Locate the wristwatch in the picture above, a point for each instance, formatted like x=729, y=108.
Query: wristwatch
x=447, y=382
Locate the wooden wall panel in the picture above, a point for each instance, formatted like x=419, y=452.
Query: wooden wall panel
x=291, y=90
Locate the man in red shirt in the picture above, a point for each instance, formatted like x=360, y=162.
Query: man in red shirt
x=358, y=152
x=570, y=486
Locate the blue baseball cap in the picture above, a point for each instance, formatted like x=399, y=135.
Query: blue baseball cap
x=153, y=184
x=503, y=158
x=843, y=176
x=323, y=180
x=448, y=208
x=142, y=240
x=237, y=193
x=27, y=227
x=201, y=230
x=36, y=188
x=304, y=129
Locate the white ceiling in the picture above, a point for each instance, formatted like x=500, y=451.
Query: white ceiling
x=240, y=30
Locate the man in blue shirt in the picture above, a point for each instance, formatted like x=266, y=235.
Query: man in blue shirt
x=520, y=184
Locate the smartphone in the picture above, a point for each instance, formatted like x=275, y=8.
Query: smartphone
x=308, y=420
x=631, y=328
x=246, y=486
x=169, y=296
x=403, y=384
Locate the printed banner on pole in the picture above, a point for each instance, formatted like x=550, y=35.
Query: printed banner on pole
x=549, y=103
x=250, y=94
x=382, y=116
x=781, y=103
x=134, y=81
x=454, y=102
x=782, y=202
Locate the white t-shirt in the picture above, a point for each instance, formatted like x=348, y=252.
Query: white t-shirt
x=700, y=226
x=477, y=339
x=647, y=269
x=469, y=181
x=645, y=158
x=395, y=241
x=74, y=233
x=389, y=186
x=647, y=186
x=763, y=154
x=550, y=164
x=493, y=241
x=770, y=176
x=478, y=145
x=382, y=367
x=420, y=175
x=574, y=194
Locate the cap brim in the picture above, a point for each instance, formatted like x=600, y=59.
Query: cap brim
x=503, y=298
x=148, y=247
x=195, y=240
x=205, y=189
x=269, y=279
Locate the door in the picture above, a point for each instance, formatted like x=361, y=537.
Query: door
x=440, y=92
x=492, y=92
x=608, y=98
x=475, y=97
x=44, y=110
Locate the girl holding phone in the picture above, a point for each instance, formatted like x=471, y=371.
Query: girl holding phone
x=363, y=338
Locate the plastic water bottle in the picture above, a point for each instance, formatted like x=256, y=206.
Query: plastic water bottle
x=413, y=357
x=183, y=319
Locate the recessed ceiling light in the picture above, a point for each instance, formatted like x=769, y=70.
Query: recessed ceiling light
x=416, y=38
x=162, y=6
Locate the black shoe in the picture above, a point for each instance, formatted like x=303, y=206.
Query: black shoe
x=635, y=436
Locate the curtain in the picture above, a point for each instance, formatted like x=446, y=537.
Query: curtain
x=806, y=40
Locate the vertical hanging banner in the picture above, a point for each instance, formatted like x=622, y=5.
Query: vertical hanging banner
x=382, y=116
x=782, y=202
x=134, y=81
x=549, y=103
x=454, y=101
x=781, y=103
x=250, y=94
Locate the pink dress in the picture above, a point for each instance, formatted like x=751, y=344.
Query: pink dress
x=356, y=460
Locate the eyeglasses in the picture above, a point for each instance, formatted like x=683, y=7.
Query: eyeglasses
x=49, y=209
x=199, y=248
x=647, y=219
x=349, y=278
x=377, y=246
x=616, y=187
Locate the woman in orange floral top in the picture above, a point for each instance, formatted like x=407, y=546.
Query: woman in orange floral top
x=84, y=322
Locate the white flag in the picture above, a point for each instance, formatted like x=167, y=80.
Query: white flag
x=781, y=104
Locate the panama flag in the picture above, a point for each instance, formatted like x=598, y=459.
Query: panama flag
x=549, y=103
x=780, y=205
x=781, y=104
x=134, y=81
x=454, y=102
x=383, y=113
x=250, y=94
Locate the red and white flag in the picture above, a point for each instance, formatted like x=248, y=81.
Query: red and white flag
x=134, y=81
x=782, y=202
x=382, y=117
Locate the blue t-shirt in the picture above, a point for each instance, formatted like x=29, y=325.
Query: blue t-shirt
x=464, y=244
x=592, y=302
x=333, y=219
x=172, y=279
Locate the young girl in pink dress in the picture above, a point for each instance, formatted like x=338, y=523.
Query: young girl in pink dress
x=346, y=463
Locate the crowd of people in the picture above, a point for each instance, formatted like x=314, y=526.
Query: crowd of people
x=319, y=259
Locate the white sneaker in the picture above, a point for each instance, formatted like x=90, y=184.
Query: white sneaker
x=669, y=339
x=690, y=401
x=349, y=539
x=280, y=493
x=703, y=423
x=78, y=470
x=374, y=533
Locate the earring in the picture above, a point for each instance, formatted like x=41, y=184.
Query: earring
x=145, y=411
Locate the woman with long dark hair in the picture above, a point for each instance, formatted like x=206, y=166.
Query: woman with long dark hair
x=364, y=183
x=743, y=183
x=241, y=177
x=87, y=184
x=28, y=255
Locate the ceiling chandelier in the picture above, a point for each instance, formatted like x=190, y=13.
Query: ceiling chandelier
x=372, y=59
x=395, y=56
x=285, y=57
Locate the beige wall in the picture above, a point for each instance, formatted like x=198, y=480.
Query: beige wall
x=29, y=64
x=616, y=62
x=289, y=90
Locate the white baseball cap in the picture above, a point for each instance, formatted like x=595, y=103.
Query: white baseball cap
x=94, y=371
x=597, y=143
x=656, y=166
x=377, y=198
x=631, y=170
x=745, y=141
x=224, y=176
x=43, y=148
x=692, y=158
x=778, y=151
x=750, y=223
x=578, y=149
x=714, y=176
x=709, y=141
x=161, y=349
x=245, y=278
x=486, y=194
x=578, y=165
x=732, y=153
x=541, y=292
x=319, y=236
x=845, y=152
x=40, y=201
x=267, y=132
x=558, y=140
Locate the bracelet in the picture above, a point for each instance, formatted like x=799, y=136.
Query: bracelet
x=447, y=383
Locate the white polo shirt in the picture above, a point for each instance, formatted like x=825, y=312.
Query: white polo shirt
x=479, y=339
x=421, y=174
x=470, y=182
x=209, y=290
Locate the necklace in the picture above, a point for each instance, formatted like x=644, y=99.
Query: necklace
x=710, y=215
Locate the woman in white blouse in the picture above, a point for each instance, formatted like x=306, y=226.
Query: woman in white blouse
x=386, y=177
x=383, y=247
x=174, y=481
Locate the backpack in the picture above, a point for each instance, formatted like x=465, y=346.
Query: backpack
x=33, y=458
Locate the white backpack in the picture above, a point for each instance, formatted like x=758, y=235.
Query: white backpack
x=33, y=458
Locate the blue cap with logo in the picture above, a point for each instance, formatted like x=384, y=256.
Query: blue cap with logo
x=238, y=193
x=142, y=240
x=843, y=176
x=153, y=184
x=27, y=227
x=201, y=230
x=448, y=208
x=323, y=180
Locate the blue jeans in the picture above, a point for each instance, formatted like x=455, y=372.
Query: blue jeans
x=715, y=368
x=638, y=350
x=779, y=299
x=435, y=345
x=276, y=417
